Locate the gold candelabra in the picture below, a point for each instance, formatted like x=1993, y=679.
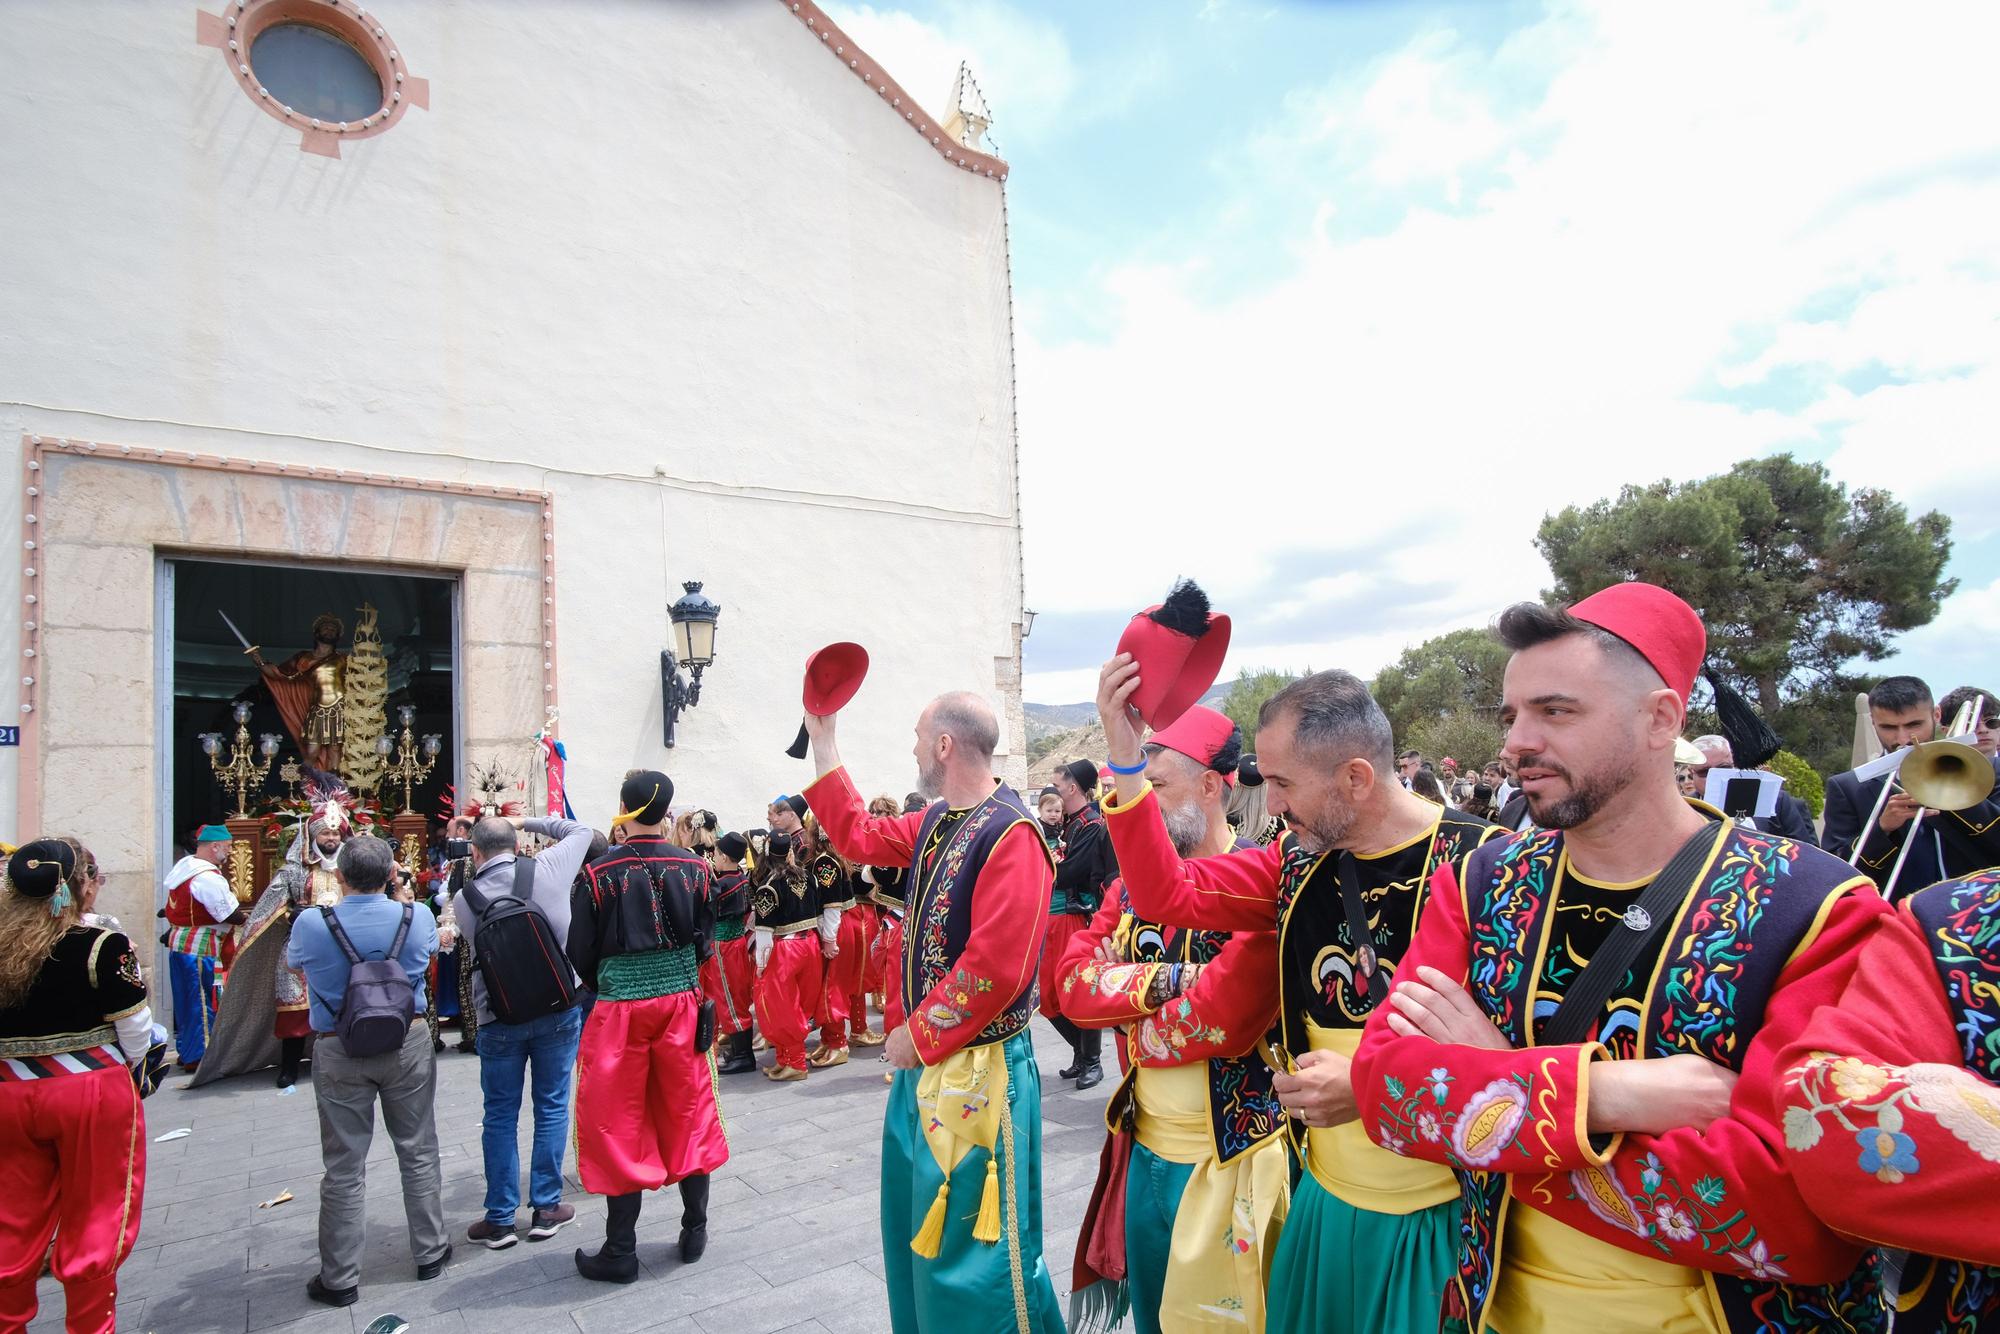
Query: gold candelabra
x=247, y=764
x=413, y=758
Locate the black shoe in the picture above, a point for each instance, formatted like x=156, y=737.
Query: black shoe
x=605, y=1268
x=1074, y=1069
x=286, y=1079
x=1091, y=1076
x=694, y=1241
x=740, y=1060
x=326, y=1296
x=435, y=1267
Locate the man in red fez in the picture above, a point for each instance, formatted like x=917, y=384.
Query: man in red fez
x=1196, y=1132
x=1587, y=1026
x=1343, y=889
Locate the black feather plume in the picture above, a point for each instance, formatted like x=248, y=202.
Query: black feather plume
x=1185, y=611
x=1751, y=740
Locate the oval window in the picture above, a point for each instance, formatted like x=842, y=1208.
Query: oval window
x=315, y=72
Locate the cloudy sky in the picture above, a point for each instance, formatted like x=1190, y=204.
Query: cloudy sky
x=1325, y=305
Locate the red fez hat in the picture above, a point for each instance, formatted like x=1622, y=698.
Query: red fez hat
x=1200, y=734
x=833, y=675
x=1664, y=629
x=1179, y=647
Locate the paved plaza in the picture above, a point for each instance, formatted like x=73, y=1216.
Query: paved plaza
x=794, y=1244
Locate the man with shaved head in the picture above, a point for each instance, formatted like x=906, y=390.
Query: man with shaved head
x=1568, y=1028
x=961, y=1141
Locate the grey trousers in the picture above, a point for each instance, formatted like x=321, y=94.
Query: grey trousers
x=346, y=1088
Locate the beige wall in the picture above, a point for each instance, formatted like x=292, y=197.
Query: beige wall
x=671, y=262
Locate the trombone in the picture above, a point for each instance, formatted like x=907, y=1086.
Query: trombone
x=1948, y=774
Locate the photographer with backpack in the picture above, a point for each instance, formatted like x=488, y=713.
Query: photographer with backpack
x=364, y=960
x=514, y=916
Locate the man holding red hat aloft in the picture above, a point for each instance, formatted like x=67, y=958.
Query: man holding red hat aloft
x=961, y=1139
x=1569, y=1027
x=1367, y=1244
x=1195, y=1182
x=1084, y=865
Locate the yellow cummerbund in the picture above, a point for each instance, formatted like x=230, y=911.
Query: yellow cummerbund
x=1546, y=1266
x=1171, y=1103
x=1350, y=1165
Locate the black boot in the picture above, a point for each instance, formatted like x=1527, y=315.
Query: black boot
x=290, y=1051
x=1089, y=1053
x=737, y=1059
x=694, y=1217
x=1074, y=1037
x=617, y=1260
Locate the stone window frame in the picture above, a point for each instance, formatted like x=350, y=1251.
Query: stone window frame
x=237, y=28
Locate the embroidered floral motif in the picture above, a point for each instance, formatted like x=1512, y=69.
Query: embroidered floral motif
x=955, y=998
x=1663, y=1211
x=1758, y=1264
x=1166, y=1033
x=1476, y=1135
x=1887, y=1155
x=1963, y=1103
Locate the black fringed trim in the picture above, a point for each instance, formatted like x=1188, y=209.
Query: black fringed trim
x=1184, y=612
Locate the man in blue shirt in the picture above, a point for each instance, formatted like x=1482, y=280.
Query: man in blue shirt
x=347, y=1087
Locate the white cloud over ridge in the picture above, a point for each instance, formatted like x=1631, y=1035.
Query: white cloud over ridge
x=1633, y=242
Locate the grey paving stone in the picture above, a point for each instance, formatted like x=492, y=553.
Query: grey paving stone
x=794, y=1235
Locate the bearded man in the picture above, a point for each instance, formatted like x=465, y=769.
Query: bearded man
x=264, y=1016
x=1569, y=1026
x=1343, y=888
x=1196, y=1153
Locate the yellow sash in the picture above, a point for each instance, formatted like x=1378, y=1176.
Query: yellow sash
x=1226, y=1228
x=962, y=1104
x=1357, y=1169
x=1546, y=1266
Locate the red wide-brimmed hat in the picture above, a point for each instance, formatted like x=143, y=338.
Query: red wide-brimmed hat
x=1663, y=628
x=833, y=675
x=1179, y=646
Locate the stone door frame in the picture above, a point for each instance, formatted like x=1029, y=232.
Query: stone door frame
x=99, y=518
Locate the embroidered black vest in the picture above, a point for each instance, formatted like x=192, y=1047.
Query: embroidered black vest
x=1315, y=956
x=1243, y=1112
x=1720, y=962
x=1960, y=921
x=940, y=908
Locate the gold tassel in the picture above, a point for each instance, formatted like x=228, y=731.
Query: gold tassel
x=987, y=1229
x=930, y=1237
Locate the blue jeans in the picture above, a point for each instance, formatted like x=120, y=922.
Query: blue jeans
x=505, y=1052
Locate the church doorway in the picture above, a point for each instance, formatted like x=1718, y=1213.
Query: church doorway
x=344, y=650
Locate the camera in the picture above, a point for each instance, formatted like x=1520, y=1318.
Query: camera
x=457, y=849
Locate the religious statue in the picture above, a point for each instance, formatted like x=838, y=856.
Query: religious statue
x=310, y=688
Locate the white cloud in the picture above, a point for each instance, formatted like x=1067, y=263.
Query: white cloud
x=1022, y=64
x=1648, y=204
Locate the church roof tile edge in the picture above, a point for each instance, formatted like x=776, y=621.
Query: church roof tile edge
x=871, y=73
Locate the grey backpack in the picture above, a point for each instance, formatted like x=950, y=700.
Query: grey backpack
x=380, y=1003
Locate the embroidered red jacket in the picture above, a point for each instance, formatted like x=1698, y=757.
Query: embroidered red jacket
x=993, y=968
x=1891, y=1115
x=1720, y=1199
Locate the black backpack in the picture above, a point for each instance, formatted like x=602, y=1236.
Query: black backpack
x=380, y=1003
x=526, y=969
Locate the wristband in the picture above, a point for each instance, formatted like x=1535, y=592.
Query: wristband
x=1116, y=768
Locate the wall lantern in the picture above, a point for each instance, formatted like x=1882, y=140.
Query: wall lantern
x=694, y=618
x=1027, y=621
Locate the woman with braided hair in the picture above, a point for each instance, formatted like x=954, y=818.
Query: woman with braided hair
x=73, y=1022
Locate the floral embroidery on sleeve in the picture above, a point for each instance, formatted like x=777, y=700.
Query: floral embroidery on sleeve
x=1475, y=1136
x=1664, y=1211
x=1165, y=1033
x=953, y=1005
x=1869, y=1103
